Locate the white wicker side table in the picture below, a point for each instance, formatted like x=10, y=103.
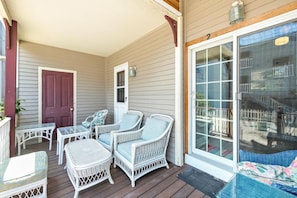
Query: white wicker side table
x=28, y=132
x=87, y=163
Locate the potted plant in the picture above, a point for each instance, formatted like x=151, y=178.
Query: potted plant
x=18, y=109
x=1, y=111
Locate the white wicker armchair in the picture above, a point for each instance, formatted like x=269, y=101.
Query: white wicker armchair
x=130, y=121
x=98, y=118
x=140, y=152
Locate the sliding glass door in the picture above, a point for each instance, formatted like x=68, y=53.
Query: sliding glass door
x=212, y=129
x=268, y=86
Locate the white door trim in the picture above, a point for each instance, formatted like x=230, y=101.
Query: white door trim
x=40, y=69
x=124, y=106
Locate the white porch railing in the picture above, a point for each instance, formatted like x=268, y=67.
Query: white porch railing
x=4, y=139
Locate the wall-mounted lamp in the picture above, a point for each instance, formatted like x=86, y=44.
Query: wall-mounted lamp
x=236, y=12
x=132, y=71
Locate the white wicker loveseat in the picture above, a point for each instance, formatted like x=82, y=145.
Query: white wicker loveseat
x=130, y=121
x=140, y=152
x=24, y=176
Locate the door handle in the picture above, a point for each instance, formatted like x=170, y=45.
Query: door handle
x=71, y=109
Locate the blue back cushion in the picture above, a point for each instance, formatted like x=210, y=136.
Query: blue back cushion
x=128, y=121
x=283, y=158
x=153, y=128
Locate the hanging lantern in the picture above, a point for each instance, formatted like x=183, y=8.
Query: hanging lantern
x=236, y=12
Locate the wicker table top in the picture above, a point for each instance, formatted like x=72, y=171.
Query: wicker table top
x=87, y=152
x=243, y=186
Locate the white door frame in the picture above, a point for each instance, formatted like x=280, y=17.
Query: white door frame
x=120, y=107
x=40, y=69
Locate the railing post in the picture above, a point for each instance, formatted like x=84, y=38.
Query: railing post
x=4, y=139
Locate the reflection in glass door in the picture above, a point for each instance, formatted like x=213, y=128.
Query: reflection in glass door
x=213, y=133
x=268, y=85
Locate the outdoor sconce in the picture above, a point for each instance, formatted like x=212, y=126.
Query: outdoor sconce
x=132, y=71
x=236, y=12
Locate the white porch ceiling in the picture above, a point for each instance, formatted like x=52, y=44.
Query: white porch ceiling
x=98, y=27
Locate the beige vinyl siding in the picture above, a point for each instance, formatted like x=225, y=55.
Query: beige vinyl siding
x=90, y=78
x=205, y=17
x=153, y=88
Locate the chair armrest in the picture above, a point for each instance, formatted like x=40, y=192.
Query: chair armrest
x=126, y=137
x=142, y=151
x=100, y=129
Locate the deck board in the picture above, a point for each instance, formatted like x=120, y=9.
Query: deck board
x=159, y=183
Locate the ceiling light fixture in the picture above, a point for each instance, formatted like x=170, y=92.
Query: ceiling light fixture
x=281, y=41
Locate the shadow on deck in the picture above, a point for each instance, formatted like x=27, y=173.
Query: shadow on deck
x=160, y=183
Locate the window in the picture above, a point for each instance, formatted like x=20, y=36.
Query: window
x=121, y=86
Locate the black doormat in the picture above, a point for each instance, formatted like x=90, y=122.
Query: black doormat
x=202, y=181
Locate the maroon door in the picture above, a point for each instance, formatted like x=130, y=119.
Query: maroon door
x=57, y=98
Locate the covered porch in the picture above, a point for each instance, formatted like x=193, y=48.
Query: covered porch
x=160, y=183
x=192, y=67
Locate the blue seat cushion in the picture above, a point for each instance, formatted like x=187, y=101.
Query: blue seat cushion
x=86, y=124
x=105, y=138
x=128, y=121
x=96, y=121
x=125, y=148
x=153, y=128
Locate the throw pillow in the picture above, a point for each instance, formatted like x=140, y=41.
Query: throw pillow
x=261, y=170
x=86, y=124
x=291, y=170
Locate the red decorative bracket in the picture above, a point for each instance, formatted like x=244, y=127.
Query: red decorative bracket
x=173, y=25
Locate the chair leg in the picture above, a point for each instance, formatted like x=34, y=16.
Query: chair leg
x=167, y=166
x=76, y=194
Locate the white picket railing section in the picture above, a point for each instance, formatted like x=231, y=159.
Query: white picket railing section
x=4, y=139
x=221, y=119
x=257, y=115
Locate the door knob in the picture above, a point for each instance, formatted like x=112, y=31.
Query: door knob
x=71, y=109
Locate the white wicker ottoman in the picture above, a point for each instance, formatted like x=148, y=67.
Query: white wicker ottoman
x=87, y=163
x=24, y=176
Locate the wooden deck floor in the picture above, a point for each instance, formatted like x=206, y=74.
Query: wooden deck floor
x=160, y=183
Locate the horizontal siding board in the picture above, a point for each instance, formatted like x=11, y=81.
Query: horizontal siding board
x=203, y=17
x=90, y=78
x=153, y=88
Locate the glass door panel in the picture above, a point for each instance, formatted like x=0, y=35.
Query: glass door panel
x=268, y=85
x=213, y=101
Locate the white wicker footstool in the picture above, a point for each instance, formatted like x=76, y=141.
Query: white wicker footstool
x=24, y=176
x=87, y=163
